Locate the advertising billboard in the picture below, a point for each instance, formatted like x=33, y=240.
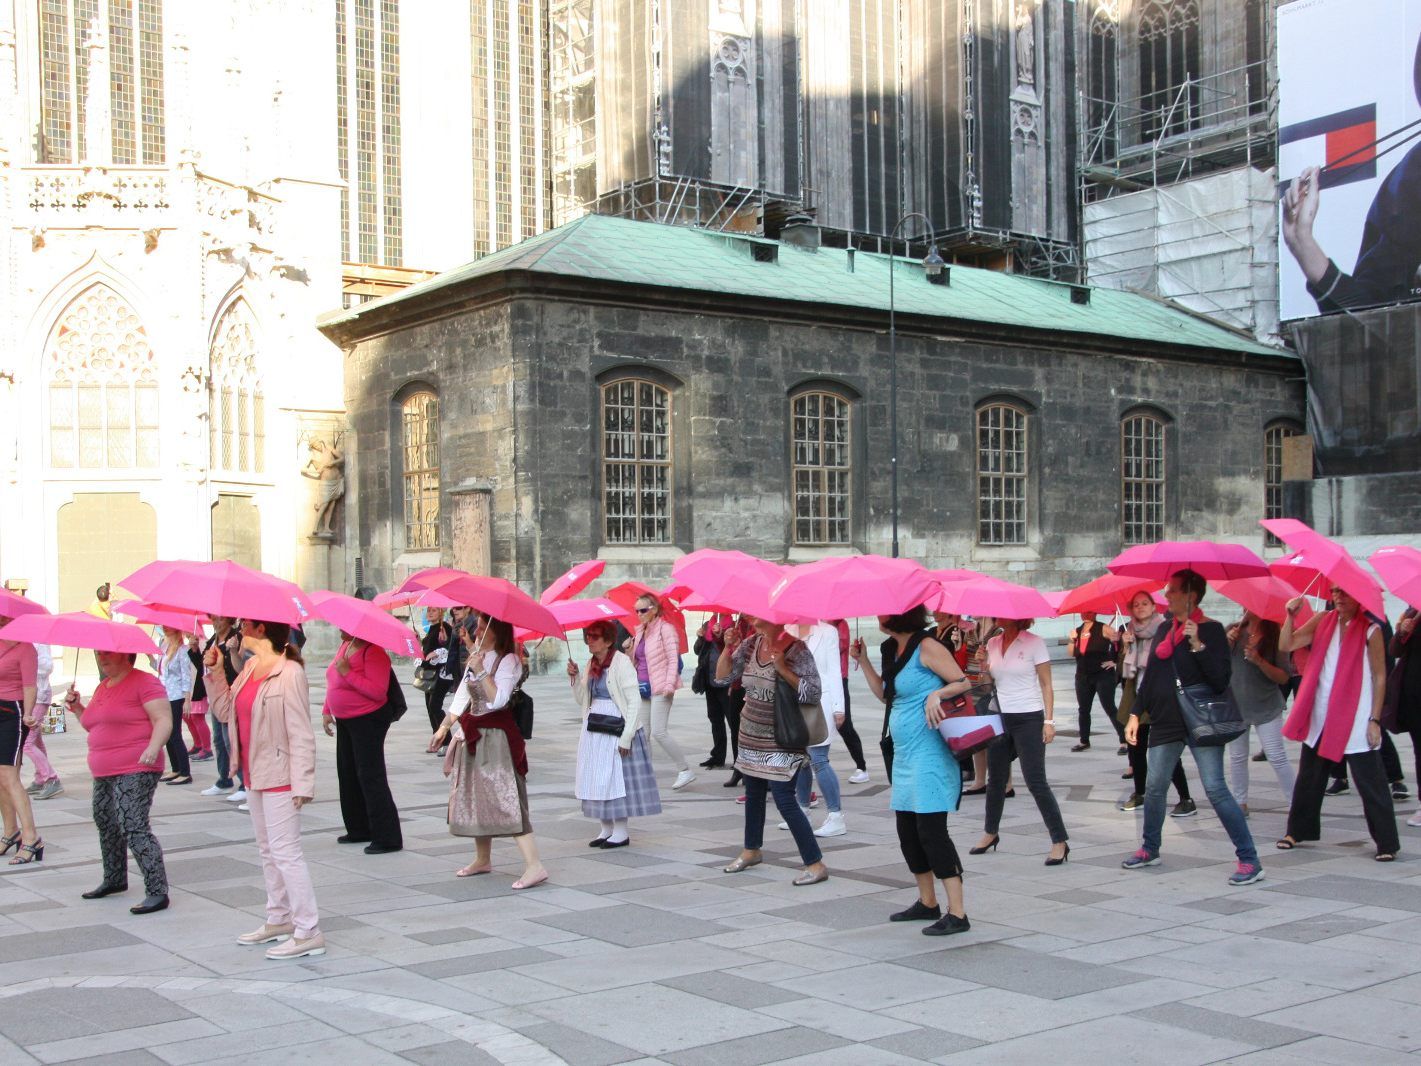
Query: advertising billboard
x=1349, y=154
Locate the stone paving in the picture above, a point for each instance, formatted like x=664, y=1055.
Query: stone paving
x=652, y=955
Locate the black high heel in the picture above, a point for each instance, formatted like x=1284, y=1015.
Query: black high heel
x=6, y=843
x=1064, y=856
x=991, y=845
x=36, y=851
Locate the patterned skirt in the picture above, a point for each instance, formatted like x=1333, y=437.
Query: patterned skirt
x=487, y=796
x=639, y=793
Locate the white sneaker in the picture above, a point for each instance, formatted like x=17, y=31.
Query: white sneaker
x=833, y=826
x=243, y=807
x=684, y=778
x=1415, y=820
x=785, y=825
x=240, y=796
x=858, y=777
x=217, y=790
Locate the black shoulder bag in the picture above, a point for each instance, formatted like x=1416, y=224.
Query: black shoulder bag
x=891, y=666
x=1211, y=718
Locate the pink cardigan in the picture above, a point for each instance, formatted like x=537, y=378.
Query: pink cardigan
x=663, y=655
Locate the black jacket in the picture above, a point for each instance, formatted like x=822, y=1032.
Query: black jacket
x=1211, y=665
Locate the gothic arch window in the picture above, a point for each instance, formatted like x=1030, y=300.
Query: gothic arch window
x=636, y=462
x=1001, y=474
x=236, y=404
x=1142, y=478
x=419, y=455
x=1169, y=66
x=1103, y=79
x=103, y=386
x=819, y=428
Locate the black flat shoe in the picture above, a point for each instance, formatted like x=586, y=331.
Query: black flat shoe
x=600, y=842
x=712, y=764
x=1064, y=856
x=183, y=779
x=104, y=890
x=947, y=925
x=1010, y=793
x=382, y=849
x=918, y=912
x=347, y=838
x=149, y=905
x=991, y=845
x=1123, y=749
x=1080, y=747
x=974, y=791
x=609, y=845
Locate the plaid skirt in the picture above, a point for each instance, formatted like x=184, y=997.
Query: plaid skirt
x=642, y=797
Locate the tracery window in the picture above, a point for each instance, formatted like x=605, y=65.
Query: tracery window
x=237, y=406
x=1169, y=61
x=1103, y=79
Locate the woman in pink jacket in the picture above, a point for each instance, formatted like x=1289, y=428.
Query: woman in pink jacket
x=657, y=655
x=268, y=714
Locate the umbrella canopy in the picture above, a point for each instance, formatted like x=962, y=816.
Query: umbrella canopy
x=992, y=597
x=579, y=614
x=853, y=585
x=1298, y=572
x=488, y=595
x=628, y=592
x=730, y=580
x=573, y=582
x=220, y=588
x=1332, y=560
x=1212, y=560
x=1266, y=597
x=362, y=619
x=79, y=629
x=1400, y=568
x=13, y=605
x=393, y=601
x=159, y=615
x=1107, y=594
x=956, y=574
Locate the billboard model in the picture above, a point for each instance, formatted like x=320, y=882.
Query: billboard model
x=1349, y=154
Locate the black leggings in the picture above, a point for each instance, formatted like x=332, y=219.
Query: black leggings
x=177, y=747
x=926, y=845
x=434, y=702
x=1100, y=684
x=849, y=735
x=1140, y=766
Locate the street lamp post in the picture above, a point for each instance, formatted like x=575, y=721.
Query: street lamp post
x=933, y=265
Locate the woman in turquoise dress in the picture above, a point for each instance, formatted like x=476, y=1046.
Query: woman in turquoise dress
x=917, y=675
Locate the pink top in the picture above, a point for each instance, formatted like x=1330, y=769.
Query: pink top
x=19, y=666
x=245, y=700
x=363, y=689
x=118, y=726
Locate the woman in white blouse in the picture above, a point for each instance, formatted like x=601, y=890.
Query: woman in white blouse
x=487, y=764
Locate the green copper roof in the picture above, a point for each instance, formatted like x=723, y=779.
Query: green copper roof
x=646, y=253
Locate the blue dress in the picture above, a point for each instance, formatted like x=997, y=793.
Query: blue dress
x=926, y=777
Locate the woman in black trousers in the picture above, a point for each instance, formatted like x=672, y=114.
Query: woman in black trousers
x=439, y=638
x=357, y=713
x=1093, y=646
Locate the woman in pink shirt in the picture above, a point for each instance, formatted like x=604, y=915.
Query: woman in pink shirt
x=357, y=714
x=656, y=653
x=128, y=721
x=268, y=711
x=19, y=668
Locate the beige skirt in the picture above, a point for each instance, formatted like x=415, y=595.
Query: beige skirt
x=487, y=796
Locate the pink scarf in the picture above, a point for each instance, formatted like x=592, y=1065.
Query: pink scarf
x=1346, y=686
x=1171, y=639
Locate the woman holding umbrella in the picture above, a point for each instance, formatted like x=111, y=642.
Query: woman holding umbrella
x=268, y=712
x=656, y=655
x=175, y=670
x=357, y=714
x=19, y=670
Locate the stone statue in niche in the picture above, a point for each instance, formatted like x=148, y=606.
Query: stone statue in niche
x=1026, y=45
x=326, y=466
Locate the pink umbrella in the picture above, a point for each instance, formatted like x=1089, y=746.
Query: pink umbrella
x=750, y=597
x=13, y=605
x=957, y=574
x=710, y=573
x=393, y=601
x=220, y=588
x=79, y=629
x=573, y=582
x=1332, y=560
x=488, y=595
x=1266, y=597
x=1301, y=575
x=1210, y=559
x=992, y=597
x=1400, y=568
x=1056, y=598
x=159, y=615
x=853, y=585
x=362, y=619
x=628, y=592
x=1107, y=594
x=579, y=614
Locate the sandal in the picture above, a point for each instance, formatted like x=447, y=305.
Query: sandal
x=36, y=853
x=6, y=843
x=1286, y=844
x=1386, y=856
x=741, y=864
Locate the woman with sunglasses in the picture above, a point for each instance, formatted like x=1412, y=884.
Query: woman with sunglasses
x=656, y=653
x=615, y=781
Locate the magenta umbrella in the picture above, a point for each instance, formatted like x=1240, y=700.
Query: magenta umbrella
x=13, y=605
x=1400, y=568
x=159, y=615
x=712, y=574
x=362, y=619
x=579, y=614
x=220, y=588
x=488, y=595
x=1212, y=560
x=79, y=629
x=1266, y=597
x=957, y=574
x=853, y=585
x=1332, y=560
x=573, y=582
x=1107, y=594
x=1298, y=572
x=393, y=601
x=992, y=597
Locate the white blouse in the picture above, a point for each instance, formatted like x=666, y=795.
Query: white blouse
x=505, y=679
x=1357, y=739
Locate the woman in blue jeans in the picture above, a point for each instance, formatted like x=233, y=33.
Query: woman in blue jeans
x=757, y=662
x=1194, y=650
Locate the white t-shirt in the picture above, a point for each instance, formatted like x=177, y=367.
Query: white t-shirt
x=1357, y=739
x=1014, y=673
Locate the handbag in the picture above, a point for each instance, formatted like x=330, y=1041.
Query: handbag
x=1211, y=718
x=610, y=724
x=395, y=698
x=797, y=725
x=520, y=705
x=425, y=675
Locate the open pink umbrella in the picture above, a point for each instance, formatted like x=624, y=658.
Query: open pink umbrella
x=13, y=605
x=1266, y=597
x=160, y=615
x=853, y=585
x=628, y=592
x=393, y=601
x=579, y=614
x=710, y=572
x=1298, y=572
x=1212, y=560
x=362, y=619
x=1400, y=568
x=955, y=574
x=488, y=595
x=79, y=629
x=993, y=598
x=220, y=588
x=1107, y=594
x=1332, y=560
x=573, y=582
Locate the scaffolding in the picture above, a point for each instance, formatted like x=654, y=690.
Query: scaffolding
x=572, y=86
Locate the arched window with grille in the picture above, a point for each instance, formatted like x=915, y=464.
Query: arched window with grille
x=1001, y=474
x=1142, y=478
x=1103, y=79
x=103, y=386
x=820, y=446
x=1169, y=67
x=237, y=408
x=1273, y=437
x=636, y=462
x=419, y=459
